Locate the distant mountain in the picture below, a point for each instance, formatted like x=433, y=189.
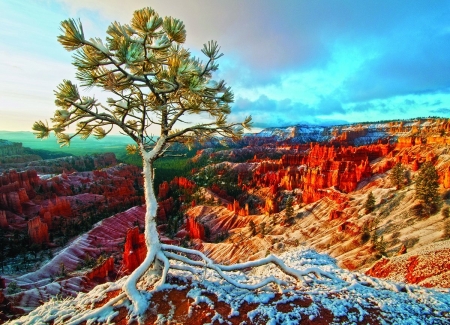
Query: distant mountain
x=112, y=143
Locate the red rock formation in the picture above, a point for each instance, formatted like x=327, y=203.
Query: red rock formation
x=23, y=196
x=182, y=182
x=163, y=190
x=195, y=229
x=348, y=136
x=236, y=208
x=402, y=250
x=405, y=142
x=135, y=250
x=164, y=208
x=438, y=140
x=3, y=220
x=431, y=157
x=48, y=219
x=13, y=202
x=335, y=214
x=102, y=271
x=271, y=206
x=58, y=206
x=292, y=160
x=444, y=177
x=415, y=165
x=349, y=228
x=25, y=179
x=38, y=231
x=221, y=193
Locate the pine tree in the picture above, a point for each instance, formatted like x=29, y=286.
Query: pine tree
x=370, y=203
x=397, y=176
x=289, y=210
x=154, y=83
x=427, y=188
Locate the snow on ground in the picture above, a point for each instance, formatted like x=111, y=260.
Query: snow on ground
x=349, y=295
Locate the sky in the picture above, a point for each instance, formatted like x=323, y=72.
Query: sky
x=287, y=61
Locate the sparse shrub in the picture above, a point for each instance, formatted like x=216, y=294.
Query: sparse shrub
x=395, y=237
x=207, y=231
x=365, y=236
x=445, y=212
x=62, y=272
x=367, y=228
x=222, y=236
x=263, y=228
x=87, y=262
x=13, y=288
x=274, y=219
x=447, y=229
x=379, y=244
x=410, y=242
x=351, y=245
x=446, y=195
x=252, y=226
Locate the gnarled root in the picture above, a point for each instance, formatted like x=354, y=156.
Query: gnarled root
x=220, y=269
x=160, y=258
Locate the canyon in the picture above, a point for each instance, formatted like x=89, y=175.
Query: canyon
x=232, y=206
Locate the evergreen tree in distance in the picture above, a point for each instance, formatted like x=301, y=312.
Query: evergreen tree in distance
x=289, y=211
x=369, y=206
x=397, y=176
x=427, y=188
x=153, y=83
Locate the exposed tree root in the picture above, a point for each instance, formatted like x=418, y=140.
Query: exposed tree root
x=161, y=263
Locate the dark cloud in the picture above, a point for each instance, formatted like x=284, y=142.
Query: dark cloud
x=443, y=111
x=403, y=47
x=362, y=107
x=269, y=37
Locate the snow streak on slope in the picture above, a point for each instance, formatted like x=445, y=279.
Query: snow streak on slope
x=40, y=285
x=300, y=133
x=350, y=298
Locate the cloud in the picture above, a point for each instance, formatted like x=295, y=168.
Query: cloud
x=287, y=62
x=264, y=39
x=443, y=111
x=269, y=112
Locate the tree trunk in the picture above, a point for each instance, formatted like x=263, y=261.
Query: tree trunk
x=151, y=237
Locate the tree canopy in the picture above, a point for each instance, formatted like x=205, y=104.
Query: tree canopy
x=153, y=81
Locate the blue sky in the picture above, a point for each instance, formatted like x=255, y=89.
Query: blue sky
x=288, y=62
